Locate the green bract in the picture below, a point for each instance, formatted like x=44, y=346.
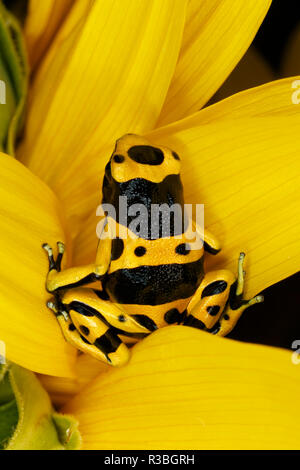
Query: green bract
x=13, y=80
x=27, y=419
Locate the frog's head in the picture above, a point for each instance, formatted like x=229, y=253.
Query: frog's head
x=135, y=157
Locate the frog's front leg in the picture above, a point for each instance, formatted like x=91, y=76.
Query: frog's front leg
x=76, y=276
x=218, y=302
x=94, y=325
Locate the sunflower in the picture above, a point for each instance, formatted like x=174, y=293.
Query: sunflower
x=101, y=69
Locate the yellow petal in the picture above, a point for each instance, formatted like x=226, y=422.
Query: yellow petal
x=29, y=216
x=107, y=73
x=61, y=389
x=42, y=22
x=204, y=181
x=217, y=34
x=186, y=389
x=246, y=172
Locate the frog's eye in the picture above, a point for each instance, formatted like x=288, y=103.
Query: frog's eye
x=176, y=156
x=122, y=318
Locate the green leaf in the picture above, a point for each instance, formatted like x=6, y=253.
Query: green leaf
x=13, y=80
x=27, y=419
x=8, y=421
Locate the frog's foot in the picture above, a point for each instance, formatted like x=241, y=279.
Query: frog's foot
x=52, y=305
x=88, y=333
x=236, y=305
x=52, y=263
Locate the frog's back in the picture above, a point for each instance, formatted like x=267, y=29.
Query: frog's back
x=153, y=267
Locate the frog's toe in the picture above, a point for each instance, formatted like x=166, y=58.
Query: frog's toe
x=47, y=248
x=61, y=250
x=49, y=252
x=51, y=304
x=61, y=247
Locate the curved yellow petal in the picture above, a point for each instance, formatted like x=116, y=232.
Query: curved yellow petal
x=107, y=73
x=42, y=22
x=61, y=389
x=186, y=389
x=277, y=98
x=247, y=174
x=217, y=34
x=29, y=216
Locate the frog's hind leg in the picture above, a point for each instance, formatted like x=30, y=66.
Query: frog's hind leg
x=89, y=334
x=98, y=324
x=236, y=304
x=210, y=299
x=218, y=302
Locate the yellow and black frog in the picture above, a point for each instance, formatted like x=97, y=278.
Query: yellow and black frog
x=150, y=274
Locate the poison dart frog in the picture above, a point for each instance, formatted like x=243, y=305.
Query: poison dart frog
x=145, y=282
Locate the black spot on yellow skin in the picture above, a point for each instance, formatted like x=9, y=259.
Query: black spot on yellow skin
x=86, y=310
x=121, y=318
x=214, y=288
x=140, y=251
x=146, y=154
x=175, y=155
x=226, y=317
x=119, y=158
x=172, y=316
x=72, y=327
x=194, y=322
x=108, y=342
x=117, y=248
x=213, y=310
x=183, y=249
x=85, y=330
x=145, y=321
x=81, y=308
